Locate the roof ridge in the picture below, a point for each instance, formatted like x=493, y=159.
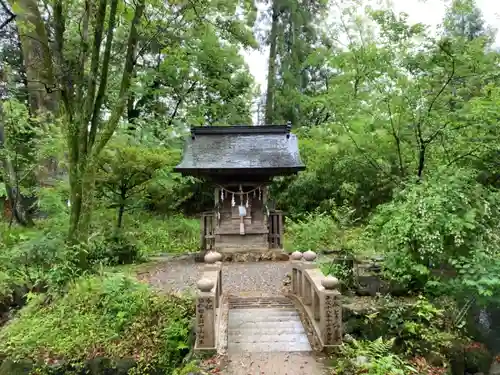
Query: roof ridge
x=240, y=130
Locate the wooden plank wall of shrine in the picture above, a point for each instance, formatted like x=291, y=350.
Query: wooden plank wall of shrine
x=225, y=230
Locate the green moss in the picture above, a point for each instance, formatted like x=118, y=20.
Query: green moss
x=108, y=316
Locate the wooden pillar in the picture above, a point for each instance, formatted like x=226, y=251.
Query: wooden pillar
x=281, y=231
x=203, y=246
x=266, y=217
x=216, y=197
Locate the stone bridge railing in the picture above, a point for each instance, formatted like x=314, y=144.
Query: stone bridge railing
x=319, y=297
x=208, y=303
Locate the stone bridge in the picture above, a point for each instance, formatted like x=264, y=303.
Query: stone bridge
x=305, y=318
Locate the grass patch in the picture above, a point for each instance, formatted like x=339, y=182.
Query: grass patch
x=108, y=316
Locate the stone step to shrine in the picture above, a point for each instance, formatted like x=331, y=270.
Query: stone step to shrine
x=265, y=324
x=255, y=302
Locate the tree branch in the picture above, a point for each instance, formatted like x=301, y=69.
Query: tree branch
x=94, y=72
x=84, y=47
x=11, y=16
x=126, y=79
x=104, y=74
x=179, y=102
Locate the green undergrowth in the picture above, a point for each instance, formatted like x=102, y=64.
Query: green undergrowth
x=175, y=234
x=325, y=231
x=153, y=234
x=37, y=258
x=107, y=316
x=371, y=358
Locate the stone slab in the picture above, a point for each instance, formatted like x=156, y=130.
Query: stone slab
x=274, y=363
x=274, y=336
x=282, y=330
x=268, y=347
x=257, y=330
x=267, y=325
x=253, y=315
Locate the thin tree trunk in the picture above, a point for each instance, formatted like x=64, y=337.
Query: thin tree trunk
x=19, y=212
x=271, y=70
x=121, y=210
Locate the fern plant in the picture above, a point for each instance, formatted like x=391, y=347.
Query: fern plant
x=371, y=358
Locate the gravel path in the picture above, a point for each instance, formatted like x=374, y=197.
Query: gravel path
x=237, y=278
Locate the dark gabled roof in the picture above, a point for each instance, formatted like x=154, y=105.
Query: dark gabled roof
x=267, y=150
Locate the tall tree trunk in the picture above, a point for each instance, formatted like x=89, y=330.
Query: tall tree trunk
x=40, y=82
x=15, y=199
x=271, y=70
x=86, y=144
x=37, y=57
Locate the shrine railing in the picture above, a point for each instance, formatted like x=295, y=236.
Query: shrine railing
x=208, y=303
x=319, y=297
x=207, y=230
x=275, y=225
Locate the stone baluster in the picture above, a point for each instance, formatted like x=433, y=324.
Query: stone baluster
x=331, y=312
x=295, y=257
x=308, y=263
x=213, y=263
x=212, y=257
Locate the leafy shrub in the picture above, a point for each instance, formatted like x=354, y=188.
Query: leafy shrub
x=337, y=174
x=333, y=230
x=143, y=235
x=109, y=316
x=477, y=358
x=13, y=235
x=189, y=369
x=173, y=234
x=5, y=292
x=318, y=231
x=125, y=170
x=114, y=248
x=418, y=327
x=40, y=261
x=447, y=222
x=371, y=358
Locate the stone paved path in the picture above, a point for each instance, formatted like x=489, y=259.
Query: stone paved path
x=275, y=342
x=268, y=329
x=273, y=363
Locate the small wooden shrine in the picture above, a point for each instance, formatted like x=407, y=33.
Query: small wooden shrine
x=241, y=161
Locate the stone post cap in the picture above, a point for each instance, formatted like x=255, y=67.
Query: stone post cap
x=296, y=255
x=309, y=256
x=212, y=257
x=330, y=282
x=205, y=285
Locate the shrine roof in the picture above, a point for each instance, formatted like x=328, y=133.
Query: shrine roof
x=223, y=150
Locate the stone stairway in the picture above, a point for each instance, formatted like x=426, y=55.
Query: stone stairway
x=265, y=324
x=266, y=336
